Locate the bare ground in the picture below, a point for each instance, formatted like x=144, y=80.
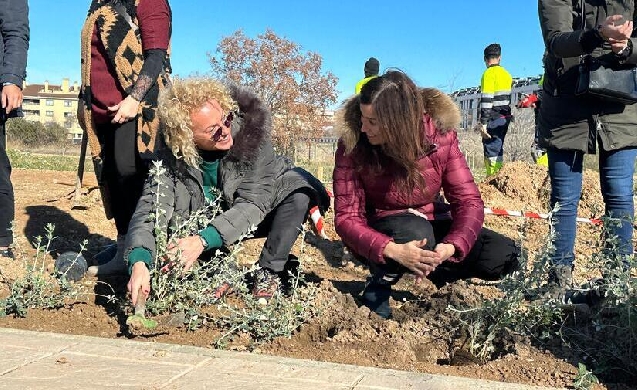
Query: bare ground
x=419, y=338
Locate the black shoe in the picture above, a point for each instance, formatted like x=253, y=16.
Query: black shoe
x=376, y=297
x=8, y=253
x=266, y=284
x=559, y=284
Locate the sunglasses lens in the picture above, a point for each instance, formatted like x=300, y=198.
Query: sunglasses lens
x=217, y=135
x=228, y=120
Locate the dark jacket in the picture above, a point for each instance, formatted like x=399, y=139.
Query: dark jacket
x=253, y=181
x=573, y=122
x=14, y=28
x=361, y=197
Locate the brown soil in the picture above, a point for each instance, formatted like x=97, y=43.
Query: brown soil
x=420, y=338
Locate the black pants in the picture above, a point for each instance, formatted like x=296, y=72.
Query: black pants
x=124, y=171
x=492, y=256
x=282, y=227
x=7, y=205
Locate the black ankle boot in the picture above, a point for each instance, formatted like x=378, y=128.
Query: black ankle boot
x=376, y=297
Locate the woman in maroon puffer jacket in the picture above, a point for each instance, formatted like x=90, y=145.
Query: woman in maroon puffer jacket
x=397, y=152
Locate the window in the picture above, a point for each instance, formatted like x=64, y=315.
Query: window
x=49, y=113
x=68, y=103
x=49, y=102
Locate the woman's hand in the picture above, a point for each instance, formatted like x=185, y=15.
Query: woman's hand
x=411, y=255
x=191, y=248
x=125, y=110
x=616, y=30
x=140, y=277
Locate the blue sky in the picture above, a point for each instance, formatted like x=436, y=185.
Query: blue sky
x=438, y=43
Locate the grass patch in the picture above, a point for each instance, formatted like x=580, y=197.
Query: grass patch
x=28, y=160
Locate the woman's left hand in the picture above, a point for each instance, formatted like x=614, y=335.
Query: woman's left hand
x=125, y=110
x=191, y=248
x=443, y=252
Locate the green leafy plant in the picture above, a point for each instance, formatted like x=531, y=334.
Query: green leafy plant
x=585, y=379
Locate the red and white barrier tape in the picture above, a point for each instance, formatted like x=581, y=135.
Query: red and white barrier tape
x=530, y=214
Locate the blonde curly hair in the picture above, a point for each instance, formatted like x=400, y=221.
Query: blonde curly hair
x=177, y=103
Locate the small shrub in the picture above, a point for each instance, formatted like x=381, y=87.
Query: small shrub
x=39, y=288
x=193, y=293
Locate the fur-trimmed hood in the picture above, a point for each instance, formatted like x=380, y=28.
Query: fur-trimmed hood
x=443, y=111
x=252, y=129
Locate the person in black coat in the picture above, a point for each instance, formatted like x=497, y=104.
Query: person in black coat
x=218, y=145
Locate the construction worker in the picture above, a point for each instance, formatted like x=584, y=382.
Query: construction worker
x=495, y=108
x=533, y=101
x=372, y=67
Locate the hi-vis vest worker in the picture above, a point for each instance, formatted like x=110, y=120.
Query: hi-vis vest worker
x=495, y=108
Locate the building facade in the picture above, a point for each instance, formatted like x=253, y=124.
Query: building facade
x=47, y=103
x=469, y=99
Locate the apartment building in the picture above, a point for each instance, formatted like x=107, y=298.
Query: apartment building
x=469, y=99
x=47, y=103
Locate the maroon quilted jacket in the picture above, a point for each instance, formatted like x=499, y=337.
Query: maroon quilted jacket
x=361, y=196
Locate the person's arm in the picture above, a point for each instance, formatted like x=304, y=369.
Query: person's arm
x=252, y=199
x=487, y=93
x=154, y=26
x=141, y=229
x=467, y=207
x=350, y=221
x=14, y=27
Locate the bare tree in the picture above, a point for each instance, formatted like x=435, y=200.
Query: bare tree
x=288, y=79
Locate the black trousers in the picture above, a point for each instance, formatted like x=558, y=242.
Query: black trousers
x=124, y=172
x=282, y=227
x=492, y=256
x=7, y=201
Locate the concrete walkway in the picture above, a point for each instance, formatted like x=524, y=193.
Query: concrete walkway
x=32, y=360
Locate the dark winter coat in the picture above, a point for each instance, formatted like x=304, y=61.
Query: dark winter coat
x=14, y=31
x=253, y=181
x=360, y=196
x=573, y=122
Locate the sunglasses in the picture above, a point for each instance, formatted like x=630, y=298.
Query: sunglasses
x=218, y=133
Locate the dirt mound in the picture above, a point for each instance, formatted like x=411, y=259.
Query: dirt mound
x=524, y=186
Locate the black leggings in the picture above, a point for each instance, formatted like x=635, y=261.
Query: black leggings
x=282, y=227
x=124, y=172
x=7, y=205
x=491, y=257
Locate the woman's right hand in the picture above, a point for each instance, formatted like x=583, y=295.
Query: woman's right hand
x=140, y=277
x=411, y=255
x=613, y=32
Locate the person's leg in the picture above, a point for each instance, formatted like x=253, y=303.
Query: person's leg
x=402, y=228
x=565, y=172
x=492, y=256
x=616, y=169
x=282, y=227
x=493, y=147
x=130, y=175
x=7, y=205
x=124, y=174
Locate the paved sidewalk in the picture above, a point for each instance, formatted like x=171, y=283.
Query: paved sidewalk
x=32, y=360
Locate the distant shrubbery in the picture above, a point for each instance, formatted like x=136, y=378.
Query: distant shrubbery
x=34, y=134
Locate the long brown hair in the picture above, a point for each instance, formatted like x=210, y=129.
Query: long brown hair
x=398, y=105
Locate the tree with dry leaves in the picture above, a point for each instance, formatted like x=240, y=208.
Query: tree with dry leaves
x=288, y=79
